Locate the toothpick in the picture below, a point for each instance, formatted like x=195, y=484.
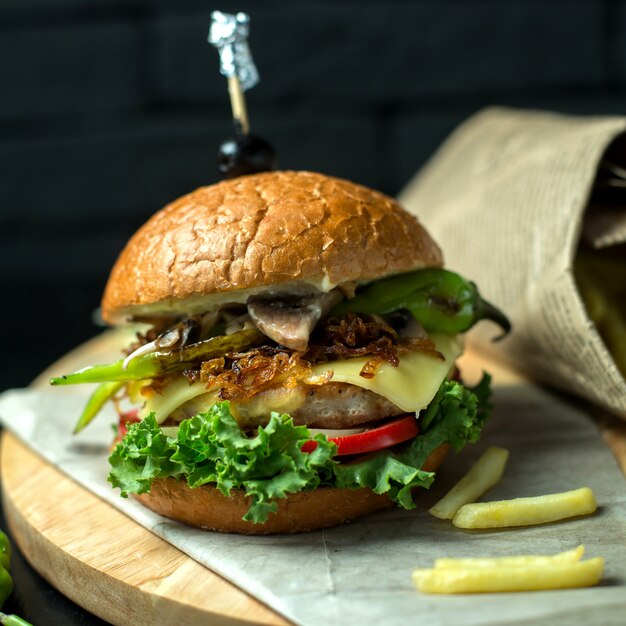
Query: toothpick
x=238, y=105
x=229, y=34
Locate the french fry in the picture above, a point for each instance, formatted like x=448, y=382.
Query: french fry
x=510, y=577
x=526, y=511
x=484, y=474
x=570, y=556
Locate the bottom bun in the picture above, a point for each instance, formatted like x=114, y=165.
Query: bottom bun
x=207, y=508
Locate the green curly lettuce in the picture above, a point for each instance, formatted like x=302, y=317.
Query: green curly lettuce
x=455, y=417
x=210, y=448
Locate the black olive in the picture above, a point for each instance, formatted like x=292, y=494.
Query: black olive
x=247, y=154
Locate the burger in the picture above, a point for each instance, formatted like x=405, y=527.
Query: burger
x=295, y=363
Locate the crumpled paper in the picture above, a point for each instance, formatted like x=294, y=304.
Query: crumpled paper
x=506, y=197
x=360, y=573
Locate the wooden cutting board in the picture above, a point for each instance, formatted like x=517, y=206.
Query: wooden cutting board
x=115, y=568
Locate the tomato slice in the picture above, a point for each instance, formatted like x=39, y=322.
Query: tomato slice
x=384, y=436
x=129, y=416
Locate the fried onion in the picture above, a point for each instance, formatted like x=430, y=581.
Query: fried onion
x=242, y=375
x=363, y=335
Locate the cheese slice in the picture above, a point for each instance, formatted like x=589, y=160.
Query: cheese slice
x=411, y=385
x=174, y=395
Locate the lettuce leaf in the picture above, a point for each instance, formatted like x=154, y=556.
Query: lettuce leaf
x=455, y=416
x=210, y=448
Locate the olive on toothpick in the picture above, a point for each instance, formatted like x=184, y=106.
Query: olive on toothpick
x=246, y=154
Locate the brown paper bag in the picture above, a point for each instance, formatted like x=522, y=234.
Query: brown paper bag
x=518, y=201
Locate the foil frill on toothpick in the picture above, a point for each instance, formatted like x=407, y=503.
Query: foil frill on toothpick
x=229, y=34
x=245, y=153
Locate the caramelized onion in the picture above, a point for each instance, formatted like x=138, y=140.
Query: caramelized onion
x=242, y=375
x=363, y=335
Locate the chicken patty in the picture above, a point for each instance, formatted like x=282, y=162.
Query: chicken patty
x=332, y=405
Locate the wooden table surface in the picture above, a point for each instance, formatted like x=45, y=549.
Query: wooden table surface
x=115, y=568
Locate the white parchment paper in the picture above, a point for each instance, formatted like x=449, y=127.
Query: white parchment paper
x=360, y=573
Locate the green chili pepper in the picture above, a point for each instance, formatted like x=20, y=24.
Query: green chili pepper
x=97, y=400
x=6, y=582
x=12, y=620
x=6, y=585
x=161, y=363
x=5, y=551
x=441, y=301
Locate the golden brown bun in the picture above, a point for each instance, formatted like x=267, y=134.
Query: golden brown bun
x=205, y=507
x=262, y=230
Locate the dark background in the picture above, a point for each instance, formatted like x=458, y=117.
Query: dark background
x=111, y=108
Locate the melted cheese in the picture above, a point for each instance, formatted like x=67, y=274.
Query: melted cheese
x=411, y=385
x=174, y=395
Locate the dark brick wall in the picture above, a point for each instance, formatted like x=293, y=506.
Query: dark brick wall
x=111, y=108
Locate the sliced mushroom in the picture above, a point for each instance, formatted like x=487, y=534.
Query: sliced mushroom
x=290, y=320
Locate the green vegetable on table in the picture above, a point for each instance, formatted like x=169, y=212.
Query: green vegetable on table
x=6, y=583
x=440, y=300
x=12, y=620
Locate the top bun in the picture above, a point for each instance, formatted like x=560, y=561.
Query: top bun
x=223, y=242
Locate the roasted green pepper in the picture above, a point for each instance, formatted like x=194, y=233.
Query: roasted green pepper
x=6, y=583
x=441, y=301
x=5, y=552
x=12, y=620
x=103, y=393
x=161, y=363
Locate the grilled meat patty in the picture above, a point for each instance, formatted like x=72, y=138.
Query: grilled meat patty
x=332, y=405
